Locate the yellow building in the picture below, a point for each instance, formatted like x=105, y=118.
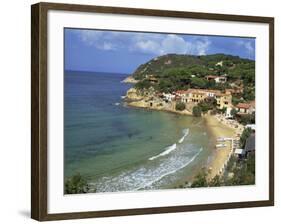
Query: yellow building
x=197, y=96
x=224, y=100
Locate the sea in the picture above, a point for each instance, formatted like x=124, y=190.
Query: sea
x=120, y=148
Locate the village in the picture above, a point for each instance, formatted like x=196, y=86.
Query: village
x=208, y=102
x=190, y=98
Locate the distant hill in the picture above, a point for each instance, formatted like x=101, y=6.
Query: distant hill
x=206, y=64
x=173, y=72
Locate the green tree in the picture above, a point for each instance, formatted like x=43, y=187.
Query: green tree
x=247, y=119
x=211, y=84
x=200, y=179
x=165, y=86
x=248, y=77
x=180, y=106
x=196, y=111
x=198, y=82
x=236, y=100
x=249, y=93
x=244, y=173
x=216, y=181
x=233, y=112
x=245, y=134
x=223, y=110
x=143, y=84
x=76, y=184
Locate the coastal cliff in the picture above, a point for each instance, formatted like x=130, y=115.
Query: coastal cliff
x=149, y=99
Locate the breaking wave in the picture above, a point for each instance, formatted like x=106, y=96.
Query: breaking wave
x=185, y=133
x=171, y=172
x=145, y=177
x=166, y=152
x=173, y=147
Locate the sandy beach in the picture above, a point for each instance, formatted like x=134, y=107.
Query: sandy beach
x=219, y=127
x=220, y=156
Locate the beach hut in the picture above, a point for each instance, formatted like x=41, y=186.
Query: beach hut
x=240, y=153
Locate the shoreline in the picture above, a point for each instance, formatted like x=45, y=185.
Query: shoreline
x=138, y=104
x=220, y=156
x=217, y=127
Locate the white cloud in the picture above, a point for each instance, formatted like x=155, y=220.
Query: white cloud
x=173, y=43
x=248, y=46
x=148, y=43
x=106, y=46
x=96, y=38
x=202, y=46
x=170, y=43
x=89, y=37
x=146, y=46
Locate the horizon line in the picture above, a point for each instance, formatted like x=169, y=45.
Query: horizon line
x=74, y=70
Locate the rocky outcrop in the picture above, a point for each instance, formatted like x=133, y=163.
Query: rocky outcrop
x=134, y=95
x=130, y=79
x=148, y=99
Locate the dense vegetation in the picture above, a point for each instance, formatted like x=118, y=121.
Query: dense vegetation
x=245, y=134
x=237, y=172
x=208, y=104
x=243, y=171
x=174, y=72
x=180, y=106
x=76, y=184
x=196, y=111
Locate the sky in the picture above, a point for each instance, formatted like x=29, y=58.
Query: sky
x=123, y=52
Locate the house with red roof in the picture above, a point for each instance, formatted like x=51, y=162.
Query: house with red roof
x=245, y=108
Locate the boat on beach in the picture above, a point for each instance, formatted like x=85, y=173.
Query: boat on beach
x=220, y=146
x=223, y=139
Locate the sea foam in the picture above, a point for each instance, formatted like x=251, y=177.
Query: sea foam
x=145, y=177
x=170, y=172
x=166, y=152
x=185, y=133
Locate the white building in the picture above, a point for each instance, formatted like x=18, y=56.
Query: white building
x=168, y=96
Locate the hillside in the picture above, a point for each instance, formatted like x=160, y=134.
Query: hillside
x=160, y=64
x=173, y=72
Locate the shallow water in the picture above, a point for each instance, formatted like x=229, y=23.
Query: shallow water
x=123, y=149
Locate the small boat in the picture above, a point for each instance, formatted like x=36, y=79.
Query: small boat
x=228, y=139
x=220, y=145
x=117, y=104
x=221, y=139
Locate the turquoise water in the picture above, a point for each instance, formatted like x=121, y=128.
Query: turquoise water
x=118, y=148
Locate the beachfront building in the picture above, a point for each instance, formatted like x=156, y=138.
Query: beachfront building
x=245, y=108
x=168, y=96
x=252, y=126
x=184, y=95
x=240, y=153
x=196, y=96
x=224, y=100
x=199, y=95
x=192, y=97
